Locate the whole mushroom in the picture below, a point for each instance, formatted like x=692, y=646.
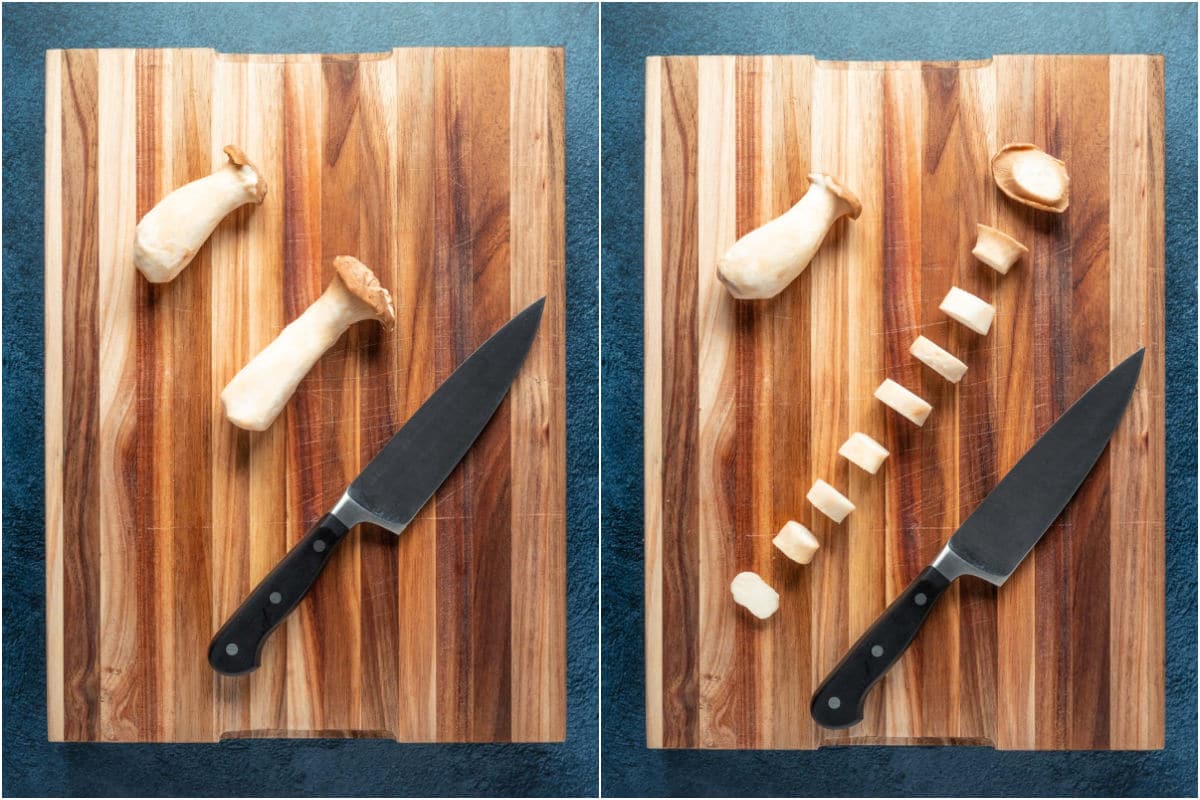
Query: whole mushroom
x=762, y=263
x=256, y=395
x=171, y=233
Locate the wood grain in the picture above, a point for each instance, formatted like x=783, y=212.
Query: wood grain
x=747, y=402
x=443, y=170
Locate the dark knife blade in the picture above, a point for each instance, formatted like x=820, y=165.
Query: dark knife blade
x=390, y=490
x=991, y=542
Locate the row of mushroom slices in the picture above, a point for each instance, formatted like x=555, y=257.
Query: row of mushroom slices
x=763, y=262
x=173, y=231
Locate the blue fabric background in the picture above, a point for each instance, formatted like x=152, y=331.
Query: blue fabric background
x=32, y=766
x=853, y=31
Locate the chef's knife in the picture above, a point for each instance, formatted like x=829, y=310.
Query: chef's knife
x=991, y=542
x=390, y=490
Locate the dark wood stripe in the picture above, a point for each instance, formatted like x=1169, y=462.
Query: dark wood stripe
x=338, y=370
x=300, y=193
x=977, y=429
x=453, y=293
x=149, y=144
x=791, y=473
x=81, y=411
x=1085, y=145
x=680, y=547
x=902, y=288
x=186, y=310
x=743, y=472
x=484, y=149
x=1052, y=335
x=939, y=446
x=378, y=395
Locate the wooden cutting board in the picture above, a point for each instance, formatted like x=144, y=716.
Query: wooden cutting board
x=442, y=169
x=747, y=402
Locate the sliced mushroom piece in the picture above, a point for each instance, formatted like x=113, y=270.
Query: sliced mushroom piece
x=763, y=262
x=1031, y=176
x=754, y=594
x=938, y=360
x=796, y=542
x=829, y=501
x=256, y=395
x=903, y=402
x=967, y=309
x=171, y=233
x=996, y=248
x=863, y=452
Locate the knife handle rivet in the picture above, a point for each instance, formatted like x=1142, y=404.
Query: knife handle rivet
x=835, y=703
x=876, y=650
x=920, y=599
x=276, y=598
x=231, y=649
x=319, y=545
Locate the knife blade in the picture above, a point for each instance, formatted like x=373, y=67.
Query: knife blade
x=990, y=543
x=390, y=490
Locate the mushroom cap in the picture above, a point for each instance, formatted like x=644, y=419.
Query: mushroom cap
x=362, y=283
x=1029, y=175
x=834, y=185
x=238, y=159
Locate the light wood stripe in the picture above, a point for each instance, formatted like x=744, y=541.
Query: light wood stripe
x=53, y=365
x=1137, y=450
x=716, y=152
x=652, y=416
x=536, y=445
x=120, y=686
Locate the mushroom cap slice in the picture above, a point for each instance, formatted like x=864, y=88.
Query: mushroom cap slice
x=362, y=283
x=853, y=204
x=1031, y=176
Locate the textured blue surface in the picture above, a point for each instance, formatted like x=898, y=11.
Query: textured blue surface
x=909, y=32
x=32, y=766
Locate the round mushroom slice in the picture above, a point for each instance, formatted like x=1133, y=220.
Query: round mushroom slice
x=996, y=248
x=256, y=395
x=754, y=594
x=796, y=542
x=1031, y=176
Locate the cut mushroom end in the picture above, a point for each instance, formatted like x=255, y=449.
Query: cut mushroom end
x=754, y=594
x=969, y=310
x=863, y=452
x=938, y=360
x=829, y=501
x=997, y=249
x=796, y=542
x=903, y=402
x=1031, y=176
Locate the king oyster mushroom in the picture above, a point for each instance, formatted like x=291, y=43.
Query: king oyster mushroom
x=171, y=233
x=256, y=395
x=762, y=263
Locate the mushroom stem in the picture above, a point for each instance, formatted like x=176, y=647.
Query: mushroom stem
x=762, y=263
x=172, y=232
x=256, y=395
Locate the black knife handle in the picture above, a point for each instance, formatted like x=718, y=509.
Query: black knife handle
x=838, y=701
x=236, y=647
